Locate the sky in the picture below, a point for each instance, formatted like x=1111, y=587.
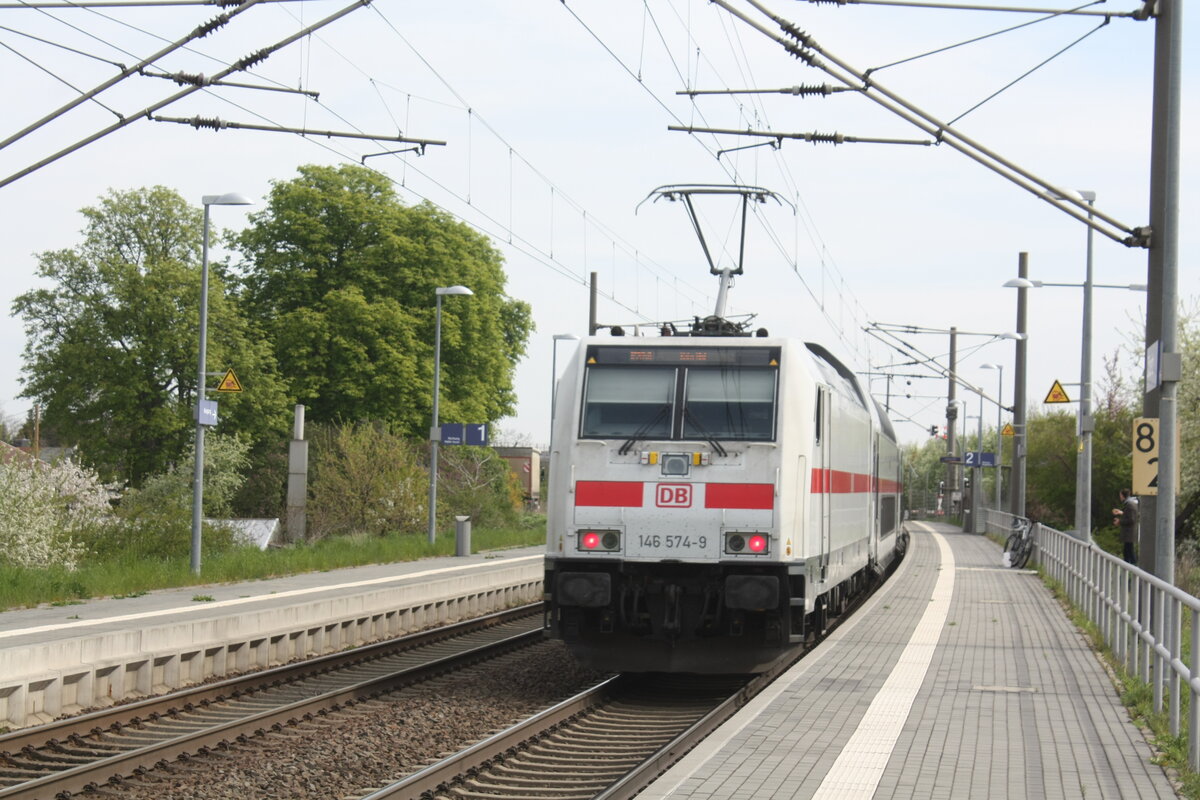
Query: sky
x=555, y=117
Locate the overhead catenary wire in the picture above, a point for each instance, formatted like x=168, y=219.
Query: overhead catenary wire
x=813, y=137
x=974, y=40
x=1080, y=11
x=241, y=64
x=61, y=46
x=1027, y=73
x=63, y=4
x=799, y=44
x=556, y=190
x=55, y=76
x=199, y=32
x=217, y=124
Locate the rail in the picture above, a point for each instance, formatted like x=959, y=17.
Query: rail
x=1139, y=616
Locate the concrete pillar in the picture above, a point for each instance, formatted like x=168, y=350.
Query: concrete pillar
x=297, y=489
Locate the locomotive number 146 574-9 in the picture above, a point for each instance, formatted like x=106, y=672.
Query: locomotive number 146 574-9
x=671, y=541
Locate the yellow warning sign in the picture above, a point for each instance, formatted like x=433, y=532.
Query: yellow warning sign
x=1008, y=430
x=229, y=383
x=1057, y=394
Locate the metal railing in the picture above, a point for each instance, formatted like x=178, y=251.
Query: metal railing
x=1139, y=616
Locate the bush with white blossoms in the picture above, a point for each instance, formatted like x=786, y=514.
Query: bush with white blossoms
x=47, y=510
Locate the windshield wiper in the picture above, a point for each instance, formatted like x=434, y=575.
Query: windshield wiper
x=640, y=433
x=704, y=432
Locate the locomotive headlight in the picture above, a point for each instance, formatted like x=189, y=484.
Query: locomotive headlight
x=676, y=464
x=599, y=541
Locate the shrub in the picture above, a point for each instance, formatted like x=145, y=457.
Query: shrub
x=48, y=511
x=365, y=479
x=475, y=481
x=156, y=520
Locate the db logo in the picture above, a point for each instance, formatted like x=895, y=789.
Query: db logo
x=673, y=495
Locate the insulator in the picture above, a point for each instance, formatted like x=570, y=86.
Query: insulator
x=807, y=56
x=791, y=30
x=252, y=59
x=216, y=125
x=807, y=89
x=827, y=138
x=210, y=26
x=190, y=78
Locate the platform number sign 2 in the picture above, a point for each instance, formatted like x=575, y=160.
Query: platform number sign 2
x=1145, y=455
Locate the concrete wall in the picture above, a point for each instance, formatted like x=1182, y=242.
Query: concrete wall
x=38, y=683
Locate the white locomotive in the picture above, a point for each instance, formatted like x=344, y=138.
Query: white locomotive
x=712, y=499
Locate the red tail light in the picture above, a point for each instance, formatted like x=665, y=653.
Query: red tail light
x=599, y=541
x=757, y=543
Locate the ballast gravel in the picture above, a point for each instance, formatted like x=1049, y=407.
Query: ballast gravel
x=345, y=753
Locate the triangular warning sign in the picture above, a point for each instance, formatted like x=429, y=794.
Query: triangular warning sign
x=1008, y=430
x=229, y=383
x=1057, y=394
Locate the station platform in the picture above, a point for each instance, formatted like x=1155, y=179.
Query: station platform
x=959, y=678
x=63, y=658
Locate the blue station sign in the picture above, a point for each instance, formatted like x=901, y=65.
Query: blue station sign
x=470, y=434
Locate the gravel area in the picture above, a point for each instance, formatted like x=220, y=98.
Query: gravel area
x=373, y=743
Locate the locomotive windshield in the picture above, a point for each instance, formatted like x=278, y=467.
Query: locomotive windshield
x=680, y=393
x=729, y=404
x=628, y=401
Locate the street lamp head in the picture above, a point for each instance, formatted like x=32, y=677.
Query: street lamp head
x=1086, y=195
x=1022, y=283
x=565, y=337
x=1137, y=287
x=227, y=199
x=456, y=289
x=1020, y=337
x=991, y=366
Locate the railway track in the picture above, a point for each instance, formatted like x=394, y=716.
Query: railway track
x=104, y=747
x=608, y=742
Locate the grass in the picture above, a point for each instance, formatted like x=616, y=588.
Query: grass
x=123, y=575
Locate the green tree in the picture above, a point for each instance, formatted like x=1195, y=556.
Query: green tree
x=342, y=276
x=1050, y=468
x=111, y=347
x=1187, y=519
x=923, y=474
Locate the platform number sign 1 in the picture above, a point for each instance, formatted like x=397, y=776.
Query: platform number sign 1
x=1145, y=455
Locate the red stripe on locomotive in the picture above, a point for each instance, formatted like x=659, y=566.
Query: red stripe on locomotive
x=832, y=481
x=739, y=495
x=627, y=494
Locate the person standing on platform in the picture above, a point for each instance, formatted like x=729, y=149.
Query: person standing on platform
x=1126, y=517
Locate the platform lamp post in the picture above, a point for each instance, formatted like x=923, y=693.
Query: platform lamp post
x=999, y=420
x=229, y=199
x=977, y=478
x=1086, y=424
x=435, y=431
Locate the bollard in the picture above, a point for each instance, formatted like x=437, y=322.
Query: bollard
x=462, y=536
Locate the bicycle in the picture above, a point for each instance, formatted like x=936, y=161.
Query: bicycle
x=1019, y=546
